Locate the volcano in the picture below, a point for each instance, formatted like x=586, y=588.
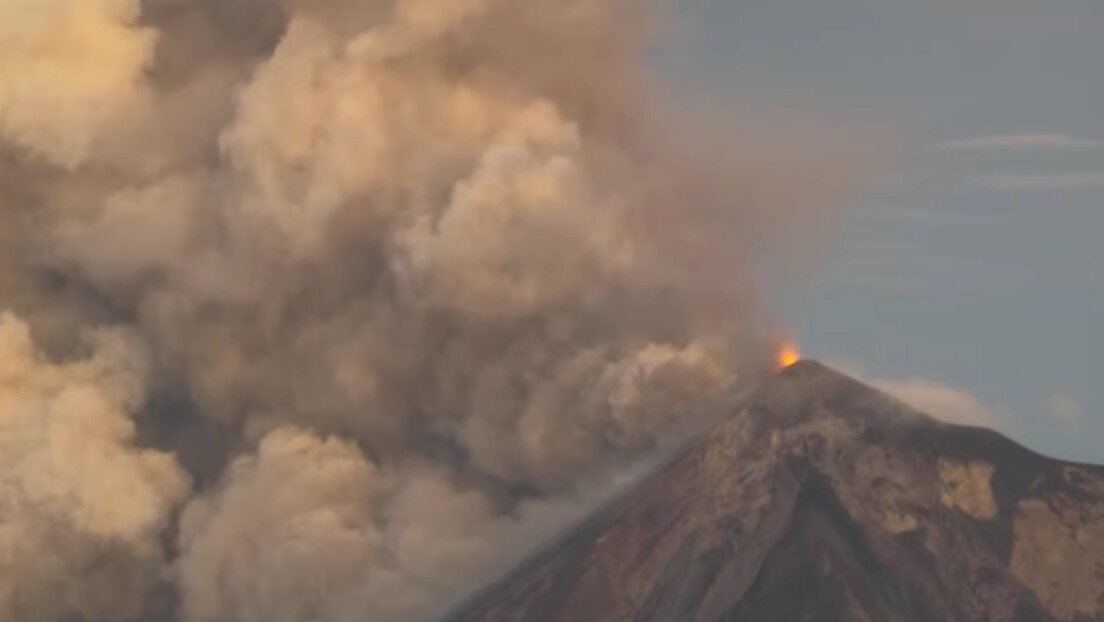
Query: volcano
x=824, y=499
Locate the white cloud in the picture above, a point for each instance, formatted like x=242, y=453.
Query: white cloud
x=1058, y=181
x=1064, y=409
x=1029, y=142
x=1020, y=142
x=940, y=400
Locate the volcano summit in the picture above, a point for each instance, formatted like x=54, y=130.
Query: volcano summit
x=824, y=499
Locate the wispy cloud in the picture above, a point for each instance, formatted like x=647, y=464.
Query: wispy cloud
x=1093, y=180
x=932, y=397
x=934, y=216
x=941, y=401
x=1020, y=142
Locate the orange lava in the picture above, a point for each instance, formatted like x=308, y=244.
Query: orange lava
x=788, y=354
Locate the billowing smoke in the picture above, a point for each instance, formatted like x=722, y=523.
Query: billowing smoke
x=399, y=283
x=81, y=508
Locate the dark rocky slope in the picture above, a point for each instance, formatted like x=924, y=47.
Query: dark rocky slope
x=823, y=499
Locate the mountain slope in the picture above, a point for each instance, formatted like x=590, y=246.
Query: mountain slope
x=823, y=499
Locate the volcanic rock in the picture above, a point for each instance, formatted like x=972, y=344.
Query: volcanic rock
x=824, y=499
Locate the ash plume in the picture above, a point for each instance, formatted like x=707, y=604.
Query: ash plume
x=81, y=506
x=416, y=275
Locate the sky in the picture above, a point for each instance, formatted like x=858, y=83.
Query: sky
x=971, y=279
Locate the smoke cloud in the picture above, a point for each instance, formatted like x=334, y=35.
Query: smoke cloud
x=69, y=70
x=308, y=528
x=82, y=508
x=400, y=282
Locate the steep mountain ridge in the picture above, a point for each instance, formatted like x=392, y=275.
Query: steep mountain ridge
x=824, y=499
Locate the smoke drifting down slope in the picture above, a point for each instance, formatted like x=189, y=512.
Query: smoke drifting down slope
x=821, y=498
x=326, y=310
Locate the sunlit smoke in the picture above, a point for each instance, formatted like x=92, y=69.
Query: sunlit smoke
x=330, y=309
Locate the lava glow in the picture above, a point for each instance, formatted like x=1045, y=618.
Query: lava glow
x=788, y=354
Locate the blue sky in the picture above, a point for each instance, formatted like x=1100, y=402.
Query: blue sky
x=976, y=272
